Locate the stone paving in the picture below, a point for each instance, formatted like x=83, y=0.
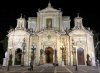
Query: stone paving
x=51, y=69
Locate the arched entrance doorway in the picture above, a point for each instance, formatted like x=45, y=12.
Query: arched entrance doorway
x=18, y=54
x=80, y=56
x=49, y=55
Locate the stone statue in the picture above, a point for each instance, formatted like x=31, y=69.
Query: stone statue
x=41, y=51
x=88, y=60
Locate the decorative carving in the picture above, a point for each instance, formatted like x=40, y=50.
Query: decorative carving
x=49, y=36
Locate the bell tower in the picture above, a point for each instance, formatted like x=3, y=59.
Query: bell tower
x=78, y=22
x=21, y=23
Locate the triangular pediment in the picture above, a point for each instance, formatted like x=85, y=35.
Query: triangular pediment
x=47, y=32
x=49, y=8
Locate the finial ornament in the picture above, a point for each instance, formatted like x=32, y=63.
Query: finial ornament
x=24, y=16
x=49, y=4
x=38, y=9
x=21, y=15
x=60, y=9
x=78, y=15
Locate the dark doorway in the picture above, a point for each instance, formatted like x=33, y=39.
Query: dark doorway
x=80, y=56
x=18, y=54
x=49, y=55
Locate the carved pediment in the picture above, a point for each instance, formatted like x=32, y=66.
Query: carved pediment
x=49, y=32
x=49, y=8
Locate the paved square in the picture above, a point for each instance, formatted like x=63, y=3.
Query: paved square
x=51, y=69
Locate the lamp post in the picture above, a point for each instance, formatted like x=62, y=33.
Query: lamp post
x=23, y=52
x=56, y=62
x=62, y=48
x=9, y=60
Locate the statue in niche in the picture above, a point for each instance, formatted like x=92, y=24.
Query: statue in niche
x=49, y=23
x=41, y=51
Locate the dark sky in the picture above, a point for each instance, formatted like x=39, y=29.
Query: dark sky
x=10, y=11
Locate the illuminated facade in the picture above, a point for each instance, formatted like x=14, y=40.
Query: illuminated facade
x=48, y=39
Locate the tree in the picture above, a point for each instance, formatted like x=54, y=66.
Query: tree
x=96, y=39
x=3, y=48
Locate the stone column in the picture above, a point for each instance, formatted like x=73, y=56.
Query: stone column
x=54, y=56
x=74, y=56
x=22, y=59
x=64, y=54
x=56, y=61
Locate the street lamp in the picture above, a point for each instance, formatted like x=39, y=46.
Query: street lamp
x=23, y=52
x=56, y=62
x=8, y=62
x=9, y=59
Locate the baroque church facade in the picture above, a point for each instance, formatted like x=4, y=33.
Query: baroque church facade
x=48, y=39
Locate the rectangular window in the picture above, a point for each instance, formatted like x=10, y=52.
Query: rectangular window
x=49, y=23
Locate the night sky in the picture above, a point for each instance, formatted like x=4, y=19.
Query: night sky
x=10, y=11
